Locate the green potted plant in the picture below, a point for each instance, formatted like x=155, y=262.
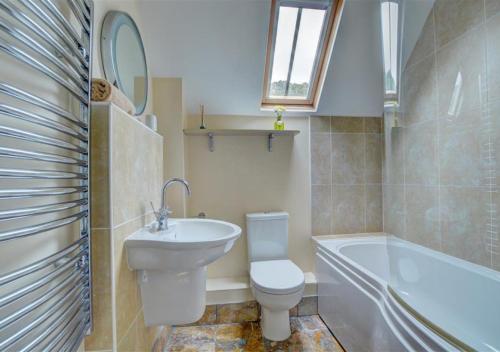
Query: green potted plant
x=279, y=124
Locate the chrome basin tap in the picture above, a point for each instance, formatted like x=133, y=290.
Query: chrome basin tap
x=164, y=211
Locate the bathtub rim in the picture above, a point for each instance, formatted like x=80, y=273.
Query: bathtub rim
x=346, y=239
x=386, y=301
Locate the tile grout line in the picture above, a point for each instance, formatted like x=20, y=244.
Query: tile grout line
x=438, y=132
x=365, y=195
x=491, y=154
x=331, y=220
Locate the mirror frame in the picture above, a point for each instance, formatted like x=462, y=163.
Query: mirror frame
x=113, y=20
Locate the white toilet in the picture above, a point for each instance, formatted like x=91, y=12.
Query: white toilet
x=277, y=283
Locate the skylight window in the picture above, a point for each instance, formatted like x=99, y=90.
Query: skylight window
x=299, y=47
x=390, y=23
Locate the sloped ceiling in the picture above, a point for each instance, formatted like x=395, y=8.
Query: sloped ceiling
x=218, y=48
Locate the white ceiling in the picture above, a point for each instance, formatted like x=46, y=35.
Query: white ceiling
x=218, y=48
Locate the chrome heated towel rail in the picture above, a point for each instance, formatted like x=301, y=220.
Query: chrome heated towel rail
x=45, y=276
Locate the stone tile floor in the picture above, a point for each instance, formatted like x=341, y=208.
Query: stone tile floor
x=309, y=334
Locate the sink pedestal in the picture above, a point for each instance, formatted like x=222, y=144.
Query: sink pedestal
x=172, y=266
x=171, y=297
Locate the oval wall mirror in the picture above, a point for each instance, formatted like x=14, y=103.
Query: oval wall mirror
x=124, y=59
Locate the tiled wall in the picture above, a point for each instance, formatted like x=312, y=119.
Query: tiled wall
x=127, y=173
x=441, y=176
x=346, y=175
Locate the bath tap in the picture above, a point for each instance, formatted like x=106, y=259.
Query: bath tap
x=164, y=211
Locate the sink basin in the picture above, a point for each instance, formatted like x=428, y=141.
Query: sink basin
x=187, y=244
x=172, y=266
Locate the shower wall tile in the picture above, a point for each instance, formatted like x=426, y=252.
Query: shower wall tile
x=461, y=74
x=349, y=211
x=373, y=158
x=422, y=220
x=493, y=55
x=492, y=7
x=425, y=45
x=394, y=156
x=447, y=198
x=394, y=210
x=321, y=163
x=349, y=198
x=455, y=17
x=348, y=158
x=492, y=127
x=492, y=229
x=373, y=206
x=421, y=163
x=420, y=92
x=461, y=158
x=464, y=217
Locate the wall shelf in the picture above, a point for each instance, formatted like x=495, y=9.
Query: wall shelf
x=211, y=133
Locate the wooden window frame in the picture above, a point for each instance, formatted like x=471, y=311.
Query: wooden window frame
x=319, y=71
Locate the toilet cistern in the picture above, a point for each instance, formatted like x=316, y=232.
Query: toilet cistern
x=164, y=211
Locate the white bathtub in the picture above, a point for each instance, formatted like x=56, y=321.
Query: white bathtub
x=455, y=304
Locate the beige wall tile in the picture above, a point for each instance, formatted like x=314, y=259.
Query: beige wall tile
x=492, y=127
x=422, y=216
x=132, y=164
x=462, y=155
x=425, y=45
x=394, y=156
x=130, y=342
x=348, y=158
x=102, y=333
x=493, y=231
x=464, y=215
x=394, y=210
x=373, y=124
x=127, y=291
x=320, y=124
x=99, y=168
x=493, y=56
x=373, y=158
x=421, y=163
x=461, y=74
x=374, y=208
x=321, y=164
x=455, y=214
x=492, y=8
x=455, y=17
x=348, y=209
x=347, y=124
x=420, y=92
x=321, y=209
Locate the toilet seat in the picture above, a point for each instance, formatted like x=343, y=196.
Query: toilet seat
x=278, y=277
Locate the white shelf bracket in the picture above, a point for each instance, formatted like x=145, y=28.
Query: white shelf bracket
x=270, y=138
x=211, y=146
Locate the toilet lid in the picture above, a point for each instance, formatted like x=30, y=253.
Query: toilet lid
x=276, y=276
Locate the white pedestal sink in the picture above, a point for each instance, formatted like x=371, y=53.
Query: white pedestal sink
x=172, y=266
